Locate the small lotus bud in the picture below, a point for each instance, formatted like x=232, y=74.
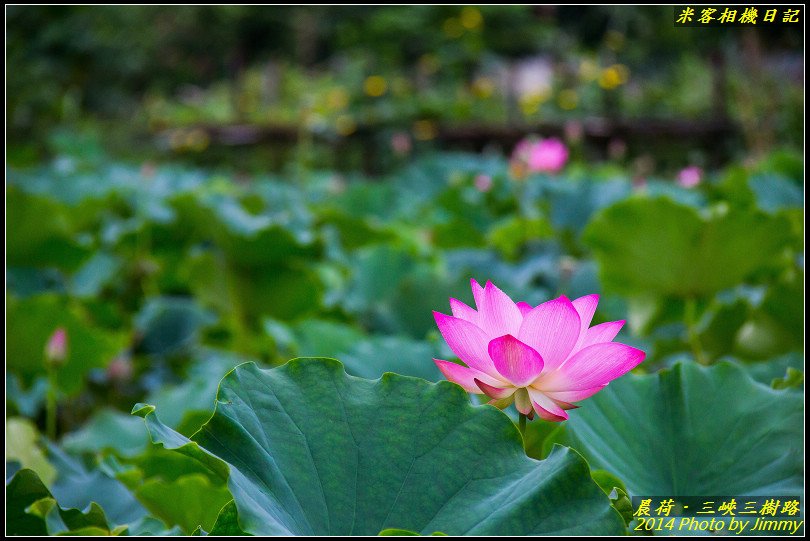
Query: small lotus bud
x=120, y=368
x=56, y=348
x=483, y=183
x=689, y=177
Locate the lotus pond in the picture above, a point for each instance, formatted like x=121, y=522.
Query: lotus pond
x=182, y=295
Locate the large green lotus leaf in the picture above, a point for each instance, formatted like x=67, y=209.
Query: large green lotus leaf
x=323, y=338
x=280, y=292
x=58, y=521
x=76, y=486
x=152, y=527
x=362, y=355
x=694, y=431
x=375, y=201
x=108, y=429
x=426, y=178
x=26, y=281
x=26, y=402
x=460, y=217
x=161, y=464
x=198, y=390
x=775, y=192
x=776, y=368
x=266, y=237
x=372, y=357
x=97, y=272
x=22, y=446
x=660, y=246
x=23, y=489
x=418, y=294
x=32, y=320
x=311, y=450
x=354, y=230
x=572, y=203
x=249, y=292
x=205, y=271
x=719, y=333
x=188, y=501
x=391, y=290
x=457, y=232
x=40, y=233
x=267, y=246
x=666, y=188
x=511, y=234
x=227, y=522
x=376, y=272
x=257, y=239
x=169, y=325
x=31, y=509
x=782, y=311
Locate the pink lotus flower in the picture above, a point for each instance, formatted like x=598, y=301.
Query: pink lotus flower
x=543, y=358
x=541, y=156
x=689, y=177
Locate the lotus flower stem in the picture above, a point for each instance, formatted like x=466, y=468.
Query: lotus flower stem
x=55, y=355
x=691, y=330
x=522, y=425
x=50, y=403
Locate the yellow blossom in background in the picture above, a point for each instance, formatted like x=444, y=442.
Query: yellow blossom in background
x=530, y=103
x=375, y=86
x=613, y=76
x=588, y=70
x=483, y=87
x=609, y=78
x=471, y=18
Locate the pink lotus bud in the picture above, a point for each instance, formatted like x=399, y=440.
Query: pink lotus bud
x=574, y=131
x=689, y=177
x=543, y=358
x=639, y=183
x=120, y=368
x=401, y=143
x=483, y=183
x=56, y=348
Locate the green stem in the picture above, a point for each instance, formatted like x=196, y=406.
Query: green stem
x=690, y=319
x=522, y=425
x=50, y=403
x=526, y=209
x=241, y=334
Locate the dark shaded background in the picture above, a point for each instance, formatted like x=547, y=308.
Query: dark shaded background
x=245, y=83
